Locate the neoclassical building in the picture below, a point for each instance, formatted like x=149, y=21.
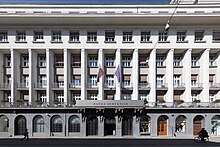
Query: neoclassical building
x=110, y=70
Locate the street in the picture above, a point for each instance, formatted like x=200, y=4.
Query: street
x=105, y=143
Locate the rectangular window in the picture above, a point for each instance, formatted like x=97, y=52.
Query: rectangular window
x=109, y=36
x=109, y=61
x=25, y=61
x=110, y=81
x=93, y=62
x=8, y=79
x=60, y=81
x=56, y=36
x=43, y=80
x=145, y=36
x=25, y=80
x=160, y=81
x=38, y=35
x=181, y=35
x=194, y=96
x=126, y=61
x=176, y=80
x=43, y=97
x=143, y=96
x=76, y=61
x=199, y=35
x=93, y=80
x=74, y=36
x=60, y=97
x=211, y=61
x=76, y=96
x=3, y=36
x=163, y=35
x=143, y=61
x=59, y=61
x=93, y=96
x=21, y=36
x=143, y=79
x=177, y=61
x=126, y=96
x=216, y=36
x=126, y=81
x=194, y=61
x=91, y=36
x=160, y=61
x=76, y=80
x=42, y=61
x=127, y=36
x=8, y=61
x=194, y=80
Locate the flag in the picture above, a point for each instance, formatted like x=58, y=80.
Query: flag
x=117, y=74
x=100, y=74
x=167, y=26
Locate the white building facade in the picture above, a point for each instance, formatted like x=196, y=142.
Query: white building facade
x=168, y=81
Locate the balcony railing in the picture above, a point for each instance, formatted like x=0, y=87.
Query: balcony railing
x=179, y=85
x=144, y=85
x=58, y=85
x=40, y=85
x=126, y=85
x=162, y=85
x=196, y=85
x=92, y=84
x=23, y=85
x=72, y=85
x=214, y=85
x=110, y=85
x=5, y=85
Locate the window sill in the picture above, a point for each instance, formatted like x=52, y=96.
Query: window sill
x=4, y=42
x=144, y=66
x=24, y=66
x=109, y=41
x=163, y=41
x=38, y=41
x=109, y=66
x=74, y=42
x=212, y=66
x=161, y=66
x=195, y=66
x=178, y=66
x=145, y=41
x=199, y=41
x=20, y=41
x=56, y=42
x=127, y=41
x=41, y=66
x=126, y=66
x=182, y=41
x=91, y=41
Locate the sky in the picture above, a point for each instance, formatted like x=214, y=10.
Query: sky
x=84, y=2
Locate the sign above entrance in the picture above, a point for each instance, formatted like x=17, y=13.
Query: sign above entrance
x=110, y=103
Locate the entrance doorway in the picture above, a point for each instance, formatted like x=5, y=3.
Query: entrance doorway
x=109, y=126
x=20, y=125
x=198, y=124
x=92, y=126
x=162, y=125
x=127, y=123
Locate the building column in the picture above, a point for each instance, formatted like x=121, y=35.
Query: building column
x=101, y=65
x=50, y=75
x=136, y=126
x=189, y=125
x=217, y=75
x=32, y=75
x=83, y=73
x=152, y=76
x=118, y=120
x=67, y=74
x=118, y=85
x=204, y=76
x=15, y=71
x=101, y=126
x=135, y=75
x=187, y=76
x=47, y=118
x=169, y=76
x=2, y=74
x=153, y=120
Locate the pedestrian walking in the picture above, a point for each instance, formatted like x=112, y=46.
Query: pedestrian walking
x=26, y=135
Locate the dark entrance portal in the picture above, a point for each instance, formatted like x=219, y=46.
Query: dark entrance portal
x=109, y=126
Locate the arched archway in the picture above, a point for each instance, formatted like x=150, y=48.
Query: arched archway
x=109, y=126
x=180, y=124
x=145, y=125
x=4, y=123
x=56, y=124
x=92, y=126
x=198, y=124
x=74, y=124
x=127, y=125
x=162, y=125
x=215, y=125
x=20, y=125
x=38, y=124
